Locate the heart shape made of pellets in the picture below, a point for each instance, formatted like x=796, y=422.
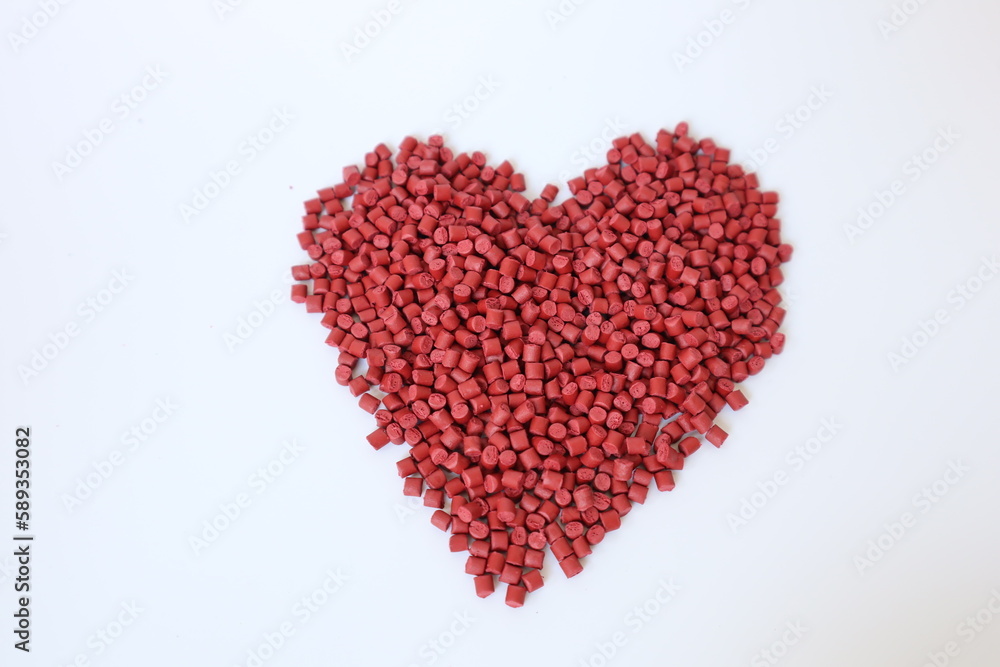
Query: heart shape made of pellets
x=544, y=362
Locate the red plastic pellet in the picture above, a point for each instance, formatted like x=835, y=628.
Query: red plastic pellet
x=532, y=580
x=571, y=566
x=484, y=585
x=515, y=596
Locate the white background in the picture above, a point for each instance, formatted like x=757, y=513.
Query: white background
x=336, y=506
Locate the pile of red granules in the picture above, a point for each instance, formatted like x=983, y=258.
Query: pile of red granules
x=544, y=363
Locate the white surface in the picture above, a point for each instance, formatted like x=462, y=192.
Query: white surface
x=334, y=506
